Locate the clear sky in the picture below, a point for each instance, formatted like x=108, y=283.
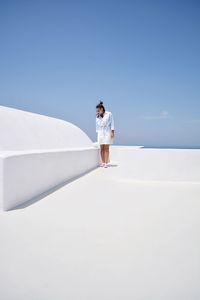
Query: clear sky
x=142, y=58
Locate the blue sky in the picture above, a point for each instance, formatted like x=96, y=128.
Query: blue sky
x=142, y=58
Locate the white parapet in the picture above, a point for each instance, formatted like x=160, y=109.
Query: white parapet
x=37, y=153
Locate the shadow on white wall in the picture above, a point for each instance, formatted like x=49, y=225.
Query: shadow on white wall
x=37, y=153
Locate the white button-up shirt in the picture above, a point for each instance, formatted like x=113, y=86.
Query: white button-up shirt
x=105, y=124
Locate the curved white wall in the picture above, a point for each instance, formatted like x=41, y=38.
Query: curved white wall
x=22, y=130
x=39, y=152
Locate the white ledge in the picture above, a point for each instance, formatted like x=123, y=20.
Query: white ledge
x=39, y=152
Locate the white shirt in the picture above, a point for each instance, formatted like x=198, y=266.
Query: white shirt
x=105, y=124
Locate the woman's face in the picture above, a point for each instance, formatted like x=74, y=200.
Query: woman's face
x=99, y=110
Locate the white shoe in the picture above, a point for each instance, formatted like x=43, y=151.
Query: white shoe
x=105, y=165
x=101, y=164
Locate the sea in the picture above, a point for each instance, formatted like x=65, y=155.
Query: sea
x=164, y=147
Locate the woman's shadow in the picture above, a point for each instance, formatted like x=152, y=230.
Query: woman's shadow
x=112, y=165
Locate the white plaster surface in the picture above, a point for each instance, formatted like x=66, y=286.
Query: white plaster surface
x=159, y=164
x=26, y=175
x=22, y=130
x=38, y=152
x=105, y=236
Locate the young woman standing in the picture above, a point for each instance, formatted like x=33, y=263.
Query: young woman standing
x=105, y=132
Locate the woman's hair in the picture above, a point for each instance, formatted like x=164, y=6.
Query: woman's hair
x=100, y=105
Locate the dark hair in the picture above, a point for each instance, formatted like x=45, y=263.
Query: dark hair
x=100, y=105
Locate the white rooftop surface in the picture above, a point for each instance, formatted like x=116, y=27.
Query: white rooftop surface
x=104, y=236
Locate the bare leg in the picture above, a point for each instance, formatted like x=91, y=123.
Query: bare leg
x=106, y=153
x=102, y=153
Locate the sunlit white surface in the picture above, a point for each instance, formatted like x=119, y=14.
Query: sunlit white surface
x=37, y=153
x=23, y=130
x=105, y=236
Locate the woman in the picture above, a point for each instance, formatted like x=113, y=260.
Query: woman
x=105, y=132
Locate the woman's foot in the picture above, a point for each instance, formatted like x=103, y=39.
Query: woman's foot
x=105, y=165
x=102, y=164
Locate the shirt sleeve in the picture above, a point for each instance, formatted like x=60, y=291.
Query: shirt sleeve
x=112, y=122
x=97, y=124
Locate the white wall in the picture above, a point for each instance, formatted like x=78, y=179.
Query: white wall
x=1, y=182
x=28, y=175
x=39, y=152
x=20, y=130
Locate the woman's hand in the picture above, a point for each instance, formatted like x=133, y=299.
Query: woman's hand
x=112, y=134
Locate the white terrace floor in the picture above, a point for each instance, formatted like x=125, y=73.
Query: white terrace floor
x=101, y=237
